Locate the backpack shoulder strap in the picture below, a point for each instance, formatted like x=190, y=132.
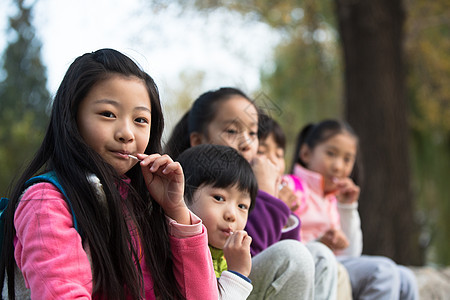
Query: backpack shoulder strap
x=3, y=205
x=51, y=178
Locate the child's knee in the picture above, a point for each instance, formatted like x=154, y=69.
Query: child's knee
x=408, y=289
x=383, y=269
x=324, y=258
x=294, y=256
x=321, y=252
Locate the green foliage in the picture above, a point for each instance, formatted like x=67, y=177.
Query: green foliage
x=428, y=59
x=24, y=96
x=431, y=161
x=428, y=50
x=306, y=84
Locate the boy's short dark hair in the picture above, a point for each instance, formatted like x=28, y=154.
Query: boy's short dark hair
x=267, y=126
x=219, y=166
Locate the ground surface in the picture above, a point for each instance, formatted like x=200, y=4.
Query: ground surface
x=434, y=284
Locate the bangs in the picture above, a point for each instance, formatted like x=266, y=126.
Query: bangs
x=237, y=176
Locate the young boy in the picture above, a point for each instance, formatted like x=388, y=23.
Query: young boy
x=221, y=189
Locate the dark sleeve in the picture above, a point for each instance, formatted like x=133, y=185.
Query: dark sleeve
x=266, y=222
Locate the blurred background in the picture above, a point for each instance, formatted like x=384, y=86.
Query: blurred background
x=384, y=66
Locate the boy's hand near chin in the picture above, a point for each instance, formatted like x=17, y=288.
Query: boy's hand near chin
x=288, y=197
x=267, y=174
x=237, y=252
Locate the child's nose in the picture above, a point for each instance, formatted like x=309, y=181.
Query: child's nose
x=124, y=132
x=245, y=142
x=230, y=215
x=338, y=164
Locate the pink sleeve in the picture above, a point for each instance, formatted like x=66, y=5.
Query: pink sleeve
x=334, y=213
x=182, y=231
x=193, y=266
x=48, y=249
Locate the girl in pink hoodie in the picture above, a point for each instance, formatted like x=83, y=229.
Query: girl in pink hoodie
x=327, y=202
x=134, y=237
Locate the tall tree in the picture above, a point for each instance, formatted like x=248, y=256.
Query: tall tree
x=23, y=93
x=372, y=36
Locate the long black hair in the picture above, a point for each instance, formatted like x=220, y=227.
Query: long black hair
x=315, y=134
x=115, y=262
x=202, y=113
x=218, y=166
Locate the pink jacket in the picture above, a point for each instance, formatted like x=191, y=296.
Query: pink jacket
x=320, y=212
x=317, y=211
x=50, y=255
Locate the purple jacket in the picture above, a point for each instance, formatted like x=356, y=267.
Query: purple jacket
x=267, y=220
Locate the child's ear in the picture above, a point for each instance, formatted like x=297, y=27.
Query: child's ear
x=195, y=139
x=304, y=154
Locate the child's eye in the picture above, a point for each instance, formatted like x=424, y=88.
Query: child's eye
x=330, y=153
x=142, y=120
x=107, y=114
x=219, y=198
x=231, y=131
x=253, y=133
x=348, y=159
x=261, y=151
x=243, y=206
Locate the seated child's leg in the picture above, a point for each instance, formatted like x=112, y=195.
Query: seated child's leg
x=285, y=270
x=408, y=289
x=372, y=277
x=325, y=281
x=344, y=289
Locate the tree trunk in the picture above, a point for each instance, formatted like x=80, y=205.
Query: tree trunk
x=376, y=107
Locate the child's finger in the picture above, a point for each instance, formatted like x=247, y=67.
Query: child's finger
x=160, y=163
x=236, y=237
x=148, y=160
x=174, y=167
x=141, y=156
x=230, y=243
x=335, y=237
x=246, y=242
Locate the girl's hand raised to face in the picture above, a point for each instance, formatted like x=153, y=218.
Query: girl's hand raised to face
x=165, y=181
x=287, y=196
x=348, y=191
